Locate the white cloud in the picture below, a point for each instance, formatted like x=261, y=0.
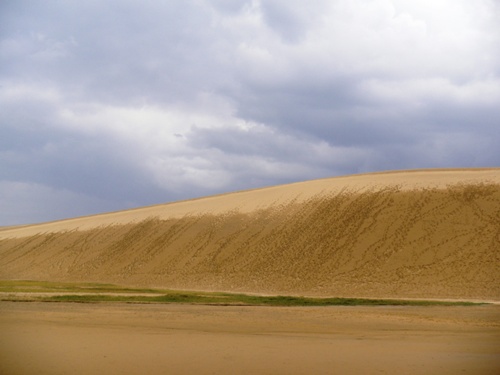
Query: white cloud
x=383, y=38
x=149, y=102
x=431, y=90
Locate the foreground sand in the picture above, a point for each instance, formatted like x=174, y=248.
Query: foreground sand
x=59, y=338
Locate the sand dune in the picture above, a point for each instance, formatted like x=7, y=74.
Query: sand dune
x=423, y=234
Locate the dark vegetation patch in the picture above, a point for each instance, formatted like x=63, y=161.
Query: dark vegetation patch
x=95, y=293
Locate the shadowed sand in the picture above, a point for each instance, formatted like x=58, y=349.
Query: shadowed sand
x=410, y=234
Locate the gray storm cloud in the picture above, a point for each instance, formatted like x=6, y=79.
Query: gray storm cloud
x=110, y=105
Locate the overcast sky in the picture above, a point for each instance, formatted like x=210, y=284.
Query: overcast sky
x=108, y=105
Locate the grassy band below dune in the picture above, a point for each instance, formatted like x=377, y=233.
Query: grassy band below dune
x=38, y=291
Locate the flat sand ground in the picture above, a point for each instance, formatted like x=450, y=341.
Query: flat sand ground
x=62, y=338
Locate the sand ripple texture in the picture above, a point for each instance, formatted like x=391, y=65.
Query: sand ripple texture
x=420, y=234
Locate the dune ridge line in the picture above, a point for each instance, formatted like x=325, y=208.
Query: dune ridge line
x=254, y=199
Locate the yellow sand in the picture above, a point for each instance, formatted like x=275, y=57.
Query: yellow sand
x=51, y=338
x=425, y=233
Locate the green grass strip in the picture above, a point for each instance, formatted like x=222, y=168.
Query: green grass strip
x=94, y=293
x=247, y=300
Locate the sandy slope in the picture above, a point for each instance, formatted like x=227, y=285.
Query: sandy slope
x=427, y=233
x=251, y=200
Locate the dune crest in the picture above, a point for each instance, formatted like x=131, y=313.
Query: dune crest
x=422, y=234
